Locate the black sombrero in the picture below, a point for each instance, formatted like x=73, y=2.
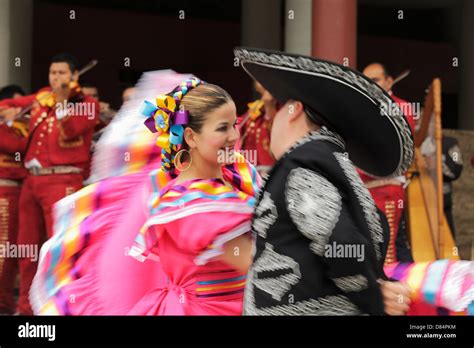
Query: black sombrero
x=377, y=135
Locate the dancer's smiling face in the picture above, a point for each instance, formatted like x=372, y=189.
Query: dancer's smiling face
x=215, y=142
x=211, y=133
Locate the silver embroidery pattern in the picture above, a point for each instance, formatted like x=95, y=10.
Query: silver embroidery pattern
x=382, y=100
x=366, y=201
x=249, y=307
x=329, y=305
x=265, y=215
x=270, y=260
x=314, y=205
x=354, y=283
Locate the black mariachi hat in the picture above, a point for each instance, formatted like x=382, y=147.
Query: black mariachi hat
x=377, y=134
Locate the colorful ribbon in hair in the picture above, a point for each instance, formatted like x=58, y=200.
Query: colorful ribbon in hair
x=168, y=118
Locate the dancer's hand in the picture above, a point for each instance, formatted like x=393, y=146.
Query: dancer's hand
x=396, y=297
x=238, y=253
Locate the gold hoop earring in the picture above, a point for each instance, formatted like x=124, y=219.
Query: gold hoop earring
x=177, y=159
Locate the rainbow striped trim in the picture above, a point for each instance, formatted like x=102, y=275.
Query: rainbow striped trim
x=220, y=284
x=72, y=233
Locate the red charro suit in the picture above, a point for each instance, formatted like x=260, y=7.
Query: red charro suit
x=255, y=136
x=390, y=197
x=62, y=148
x=12, y=172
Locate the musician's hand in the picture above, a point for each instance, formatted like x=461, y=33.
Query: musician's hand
x=8, y=114
x=396, y=297
x=104, y=107
x=268, y=99
x=62, y=94
x=106, y=113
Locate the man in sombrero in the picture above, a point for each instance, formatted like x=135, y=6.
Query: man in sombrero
x=320, y=240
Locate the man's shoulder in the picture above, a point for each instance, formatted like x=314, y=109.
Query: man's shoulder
x=313, y=150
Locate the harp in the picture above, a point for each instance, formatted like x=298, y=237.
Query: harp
x=429, y=233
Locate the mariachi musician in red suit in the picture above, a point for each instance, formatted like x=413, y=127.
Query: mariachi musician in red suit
x=57, y=156
x=255, y=130
x=12, y=146
x=388, y=194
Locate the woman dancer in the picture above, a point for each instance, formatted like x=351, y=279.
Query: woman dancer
x=198, y=218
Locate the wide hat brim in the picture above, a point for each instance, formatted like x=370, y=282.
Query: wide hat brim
x=377, y=135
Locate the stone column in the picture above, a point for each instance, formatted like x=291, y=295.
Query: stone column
x=334, y=31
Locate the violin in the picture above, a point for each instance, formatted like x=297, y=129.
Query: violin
x=48, y=98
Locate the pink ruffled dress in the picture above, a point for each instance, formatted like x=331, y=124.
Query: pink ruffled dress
x=141, y=245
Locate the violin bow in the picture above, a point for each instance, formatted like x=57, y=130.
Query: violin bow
x=401, y=76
